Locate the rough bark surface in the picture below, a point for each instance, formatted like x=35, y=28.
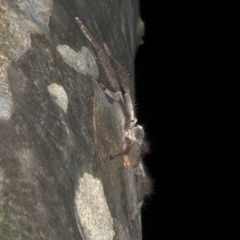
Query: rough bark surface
x=57, y=128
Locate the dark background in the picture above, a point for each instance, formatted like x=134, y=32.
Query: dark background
x=187, y=86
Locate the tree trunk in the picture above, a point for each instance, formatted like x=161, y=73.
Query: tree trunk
x=57, y=128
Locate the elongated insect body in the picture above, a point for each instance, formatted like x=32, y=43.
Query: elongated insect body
x=133, y=136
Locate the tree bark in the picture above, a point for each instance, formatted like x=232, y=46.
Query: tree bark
x=57, y=128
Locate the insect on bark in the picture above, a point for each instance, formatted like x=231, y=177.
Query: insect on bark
x=133, y=135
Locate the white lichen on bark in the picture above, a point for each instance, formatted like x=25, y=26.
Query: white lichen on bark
x=59, y=96
x=92, y=209
x=6, y=102
x=82, y=61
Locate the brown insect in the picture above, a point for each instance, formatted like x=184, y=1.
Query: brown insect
x=133, y=135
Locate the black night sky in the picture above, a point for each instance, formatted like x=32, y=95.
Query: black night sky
x=187, y=84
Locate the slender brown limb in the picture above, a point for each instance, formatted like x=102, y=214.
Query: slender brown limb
x=117, y=96
x=101, y=54
x=135, y=213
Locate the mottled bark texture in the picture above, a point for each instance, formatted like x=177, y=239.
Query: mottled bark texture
x=57, y=128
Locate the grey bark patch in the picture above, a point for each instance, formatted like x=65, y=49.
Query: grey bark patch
x=17, y=80
x=26, y=160
x=6, y=102
x=59, y=95
x=16, y=24
x=92, y=209
x=82, y=61
x=14, y=41
x=36, y=13
x=2, y=181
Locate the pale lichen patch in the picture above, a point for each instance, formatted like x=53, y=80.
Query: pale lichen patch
x=59, y=95
x=6, y=102
x=92, y=209
x=14, y=41
x=36, y=13
x=17, y=20
x=82, y=61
